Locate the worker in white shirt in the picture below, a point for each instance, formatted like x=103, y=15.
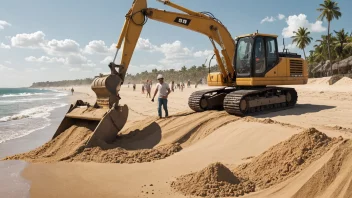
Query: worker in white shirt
x=164, y=90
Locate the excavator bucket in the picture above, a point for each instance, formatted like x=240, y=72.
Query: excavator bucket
x=105, y=118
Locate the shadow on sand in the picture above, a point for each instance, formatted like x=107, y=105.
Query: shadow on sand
x=299, y=109
x=146, y=138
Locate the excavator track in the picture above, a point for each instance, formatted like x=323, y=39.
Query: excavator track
x=210, y=99
x=255, y=101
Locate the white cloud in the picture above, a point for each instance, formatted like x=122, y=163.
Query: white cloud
x=268, y=19
x=4, y=46
x=294, y=22
x=43, y=68
x=280, y=16
x=76, y=59
x=107, y=60
x=62, y=47
x=32, y=40
x=52, y=47
x=89, y=64
x=175, y=54
x=3, y=24
x=45, y=59
x=144, y=44
x=31, y=70
x=3, y=68
x=8, y=62
x=75, y=69
x=204, y=53
x=98, y=47
x=291, y=47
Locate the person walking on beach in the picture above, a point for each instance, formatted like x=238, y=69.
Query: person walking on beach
x=173, y=86
x=72, y=90
x=164, y=90
x=148, y=88
x=134, y=86
x=143, y=85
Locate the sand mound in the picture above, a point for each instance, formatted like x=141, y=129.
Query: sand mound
x=319, y=81
x=214, y=180
x=120, y=155
x=334, y=179
x=143, y=141
x=344, y=81
x=267, y=121
x=65, y=145
x=286, y=159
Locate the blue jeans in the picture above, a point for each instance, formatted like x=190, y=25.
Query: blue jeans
x=162, y=102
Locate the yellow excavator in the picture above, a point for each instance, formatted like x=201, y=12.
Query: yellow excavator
x=249, y=67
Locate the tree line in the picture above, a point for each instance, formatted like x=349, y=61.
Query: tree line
x=194, y=74
x=63, y=83
x=330, y=48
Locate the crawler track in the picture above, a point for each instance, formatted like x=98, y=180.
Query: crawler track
x=255, y=101
x=211, y=99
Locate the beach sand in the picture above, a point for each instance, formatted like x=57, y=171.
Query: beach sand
x=205, y=138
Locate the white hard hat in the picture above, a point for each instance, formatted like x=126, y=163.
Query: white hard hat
x=159, y=76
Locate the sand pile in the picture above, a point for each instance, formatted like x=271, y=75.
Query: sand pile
x=120, y=155
x=215, y=180
x=267, y=121
x=286, y=159
x=142, y=141
x=185, y=128
x=334, y=179
x=70, y=146
x=319, y=81
x=67, y=144
x=344, y=81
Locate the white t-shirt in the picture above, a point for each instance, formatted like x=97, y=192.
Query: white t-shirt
x=162, y=89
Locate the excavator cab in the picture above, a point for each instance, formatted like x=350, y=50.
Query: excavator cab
x=255, y=55
x=258, y=62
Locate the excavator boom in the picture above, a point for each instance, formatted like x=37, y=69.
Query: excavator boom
x=106, y=117
x=195, y=21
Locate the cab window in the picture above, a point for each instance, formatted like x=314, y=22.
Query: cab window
x=259, y=55
x=272, y=53
x=243, y=56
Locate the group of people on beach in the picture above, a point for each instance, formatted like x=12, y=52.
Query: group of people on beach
x=163, y=90
x=147, y=87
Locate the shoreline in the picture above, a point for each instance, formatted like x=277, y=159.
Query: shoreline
x=13, y=184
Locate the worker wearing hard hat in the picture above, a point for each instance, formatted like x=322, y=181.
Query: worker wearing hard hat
x=164, y=90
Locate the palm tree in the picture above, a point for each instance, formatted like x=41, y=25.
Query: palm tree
x=302, y=39
x=341, y=40
x=329, y=11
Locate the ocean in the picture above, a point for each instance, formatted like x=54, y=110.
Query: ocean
x=25, y=110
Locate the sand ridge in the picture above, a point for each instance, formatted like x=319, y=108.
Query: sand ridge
x=334, y=178
x=287, y=158
x=343, y=82
x=273, y=166
x=143, y=141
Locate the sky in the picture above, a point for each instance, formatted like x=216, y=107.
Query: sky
x=44, y=40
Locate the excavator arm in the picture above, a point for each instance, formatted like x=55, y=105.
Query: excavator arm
x=106, y=117
x=199, y=22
